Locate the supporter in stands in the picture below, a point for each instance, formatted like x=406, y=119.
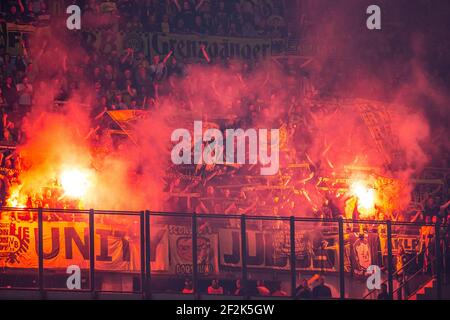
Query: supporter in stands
x=321, y=291
x=430, y=210
x=165, y=24
x=8, y=138
x=401, y=264
x=188, y=287
x=43, y=16
x=207, y=205
x=240, y=289
x=215, y=288
x=130, y=95
x=118, y=103
x=3, y=104
x=130, y=81
x=3, y=192
x=222, y=21
x=278, y=291
x=303, y=291
x=9, y=65
x=158, y=71
x=199, y=27
x=15, y=15
x=25, y=95
x=444, y=212
x=175, y=68
x=29, y=15
x=383, y=295
x=11, y=135
x=262, y=289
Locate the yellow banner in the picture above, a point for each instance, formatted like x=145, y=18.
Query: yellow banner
x=117, y=246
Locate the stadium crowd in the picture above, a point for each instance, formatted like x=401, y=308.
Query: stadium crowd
x=132, y=80
x=204, y=17
x=26, y=12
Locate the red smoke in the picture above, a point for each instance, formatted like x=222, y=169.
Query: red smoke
x=330, y=134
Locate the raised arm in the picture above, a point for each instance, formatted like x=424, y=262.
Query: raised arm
x=21, y=7
x=446, y=205
x=177, y=4
x=166, y=58
x=199, y=5
x=130, y=91
x=250, y=208
x=125, y=58
x=416, y=216
x=42, y=51
x=101, y=114
x=24, y=48
x=231, y=209
x=91, y=132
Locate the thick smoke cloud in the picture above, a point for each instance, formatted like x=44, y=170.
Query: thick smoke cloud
x=330, y=136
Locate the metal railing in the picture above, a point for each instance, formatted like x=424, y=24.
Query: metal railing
x=146, y=228
x=395, y=273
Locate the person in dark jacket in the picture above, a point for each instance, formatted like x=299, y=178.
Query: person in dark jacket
x=321, y=291
x=383, y=295
x=303, y=291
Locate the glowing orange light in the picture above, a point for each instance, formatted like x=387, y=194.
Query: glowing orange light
x=366, y=197
x=14, y=200
x=75, y=182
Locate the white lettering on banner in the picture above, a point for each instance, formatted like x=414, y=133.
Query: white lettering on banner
x=189, y=47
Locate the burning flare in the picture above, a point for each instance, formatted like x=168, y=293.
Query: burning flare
x=14, y=199
x=75, y=182
x=366, y=198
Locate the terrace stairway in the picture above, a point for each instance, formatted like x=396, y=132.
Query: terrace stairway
x=429, y=292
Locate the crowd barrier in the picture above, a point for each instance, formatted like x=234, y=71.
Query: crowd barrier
x=148, y=252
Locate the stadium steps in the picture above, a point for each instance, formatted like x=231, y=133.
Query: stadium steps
x=428, y=292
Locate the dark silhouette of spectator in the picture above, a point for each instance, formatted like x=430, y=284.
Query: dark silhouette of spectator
x=10, y=93
x=215, y=288
x=431, y=209
x=303, y=291
x=188, y=287
x=383, y=295
x=3, y=103
x=322, y=291
x=278, y=291
x=262, y=289
x=15, y=14
x=239, y=290
x=25, y=95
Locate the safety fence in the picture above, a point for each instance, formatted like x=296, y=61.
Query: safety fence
x=150, y=252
